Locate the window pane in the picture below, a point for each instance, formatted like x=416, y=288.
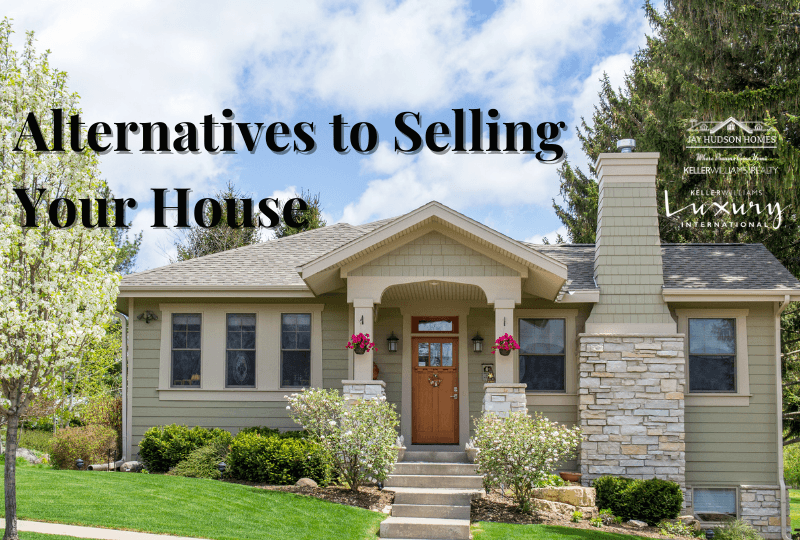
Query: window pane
x=289, y=340
x=178, y=339
x=712, y=373
x=241, y=368
x=248, y=339
x=289, y=321
x=447, y=354
x=234, y=340
x=436, y=354
x=435, y=326
x=186, y=368
x=303, y=322
x=422, y=354
x=542, y=373
x=541, y=336
x=192, y=340
x=715, y=504
x=296, y=368
x=712, y=336
x=234, y=323
x=304, y=340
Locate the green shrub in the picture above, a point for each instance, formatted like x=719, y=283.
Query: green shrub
x=36, y=439
x=678, y=528
x=105, y=410
x=551, y=480
x=89, y=443
x=203, y=462
x=736, y=530
x=271, y=432
x=596, y=522
x=164, y=447
x=650, y=501
x=577, y=516
x=791, y=465
x=277, y=461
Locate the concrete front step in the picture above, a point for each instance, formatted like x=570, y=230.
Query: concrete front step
x=435, y=457
x=431, y=511
x=434, y=481
x=453, y=497
x=455, y=469
x=431, y=528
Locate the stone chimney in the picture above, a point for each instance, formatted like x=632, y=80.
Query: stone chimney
x=632, y=374
x=627, y=259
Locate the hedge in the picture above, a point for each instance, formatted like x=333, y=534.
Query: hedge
x=275, y=460
x=90, y=443
x=164, y=447
x=646, y=500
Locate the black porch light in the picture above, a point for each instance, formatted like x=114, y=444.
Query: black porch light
x=477, y=343
x=392, y=341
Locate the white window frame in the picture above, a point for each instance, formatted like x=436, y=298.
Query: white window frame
x=740, y=398
x=570, y=395
x=225, y=360
x=280, y=345
x=214, y=346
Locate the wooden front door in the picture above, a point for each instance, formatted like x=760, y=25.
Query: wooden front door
x=434, y=390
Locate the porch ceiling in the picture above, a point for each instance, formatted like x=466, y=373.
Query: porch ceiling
x=443, y=290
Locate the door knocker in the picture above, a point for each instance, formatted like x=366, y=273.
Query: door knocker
x=434, y=380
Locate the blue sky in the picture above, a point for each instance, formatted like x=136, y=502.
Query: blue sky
x=534, y=61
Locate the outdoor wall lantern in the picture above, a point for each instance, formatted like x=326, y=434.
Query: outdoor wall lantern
x=477, y=343
x=148, y=316
x=392, y=341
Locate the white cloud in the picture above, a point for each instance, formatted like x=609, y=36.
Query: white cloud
x=551, y=236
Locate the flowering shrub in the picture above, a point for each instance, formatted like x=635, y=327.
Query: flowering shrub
x=506, y=342
x=360, y=342
x=360, y=438
x=520, y=451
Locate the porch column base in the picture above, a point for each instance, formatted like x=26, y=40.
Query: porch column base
x=504, y=398
x=368, y=390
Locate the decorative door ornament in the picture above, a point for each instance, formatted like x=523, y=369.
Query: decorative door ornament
x=434, y=380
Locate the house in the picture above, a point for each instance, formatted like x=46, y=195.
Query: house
x=667, y=356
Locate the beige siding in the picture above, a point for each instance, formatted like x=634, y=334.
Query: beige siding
x=149, y=411
x=433, y=255
x=737, y=445
x=479, y=321
x=389, y=364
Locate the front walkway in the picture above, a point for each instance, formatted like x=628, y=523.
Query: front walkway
x=88, y=532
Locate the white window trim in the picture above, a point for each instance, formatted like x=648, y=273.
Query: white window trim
x=741, y=398
x=703, y=486
x=570, y=395
x=213, y=351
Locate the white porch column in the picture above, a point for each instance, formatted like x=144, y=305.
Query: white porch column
x=362, y=363
x=504, y=324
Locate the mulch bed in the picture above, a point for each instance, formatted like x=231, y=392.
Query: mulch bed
x=369, y=497
x=500, y=509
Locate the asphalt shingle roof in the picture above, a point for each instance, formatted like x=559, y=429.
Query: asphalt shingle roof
x=274, y=263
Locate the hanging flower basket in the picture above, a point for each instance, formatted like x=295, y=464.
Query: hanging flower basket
x=505, y=344
x=360, y=343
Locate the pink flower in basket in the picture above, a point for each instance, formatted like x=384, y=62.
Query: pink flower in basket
x=505, y=344
x=360, y=343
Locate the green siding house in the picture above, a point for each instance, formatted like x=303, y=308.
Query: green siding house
x=667, y=356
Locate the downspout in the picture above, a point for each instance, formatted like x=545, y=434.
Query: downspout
x=779, y=411
x=123, y=319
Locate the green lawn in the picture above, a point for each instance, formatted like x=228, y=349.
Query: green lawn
x=484, y=530
x=794, y=502
x=183, y=506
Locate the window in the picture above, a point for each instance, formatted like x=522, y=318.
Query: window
x=186, y=349
x=542, y=355
x=296, y=349
x=447, y=325
x=240, y=369
x=715, y=504
x=712, y=355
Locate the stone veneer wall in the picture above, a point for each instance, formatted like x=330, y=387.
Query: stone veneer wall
x=759, y=506
x=504, y=398
x=631, y=407
x=369, y=390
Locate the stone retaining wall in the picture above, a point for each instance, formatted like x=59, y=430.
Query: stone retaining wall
x=504, y=398
x=632, y=406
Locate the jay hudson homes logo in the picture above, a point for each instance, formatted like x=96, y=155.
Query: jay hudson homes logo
x=738, y=211
x=730, y=140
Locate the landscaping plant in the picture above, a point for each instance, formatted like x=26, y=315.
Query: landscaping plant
x=520, y=451
x=203, y=462
x=596, y=522
x=163, y=447
x=359, y=438
x=577, y=516
x=650, y=500
x=736, y=530
x=89, y=443
x=678, y=528
x=277, y=460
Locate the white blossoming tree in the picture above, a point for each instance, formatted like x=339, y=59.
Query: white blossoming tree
x=57, y=285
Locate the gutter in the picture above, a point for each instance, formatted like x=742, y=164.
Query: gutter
x=779, y=409
x=123, y=319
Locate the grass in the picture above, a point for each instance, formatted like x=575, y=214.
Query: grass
x=183, y=506
x=484, y=530
x=794, y=504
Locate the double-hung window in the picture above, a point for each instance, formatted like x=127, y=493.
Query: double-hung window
x=186, y=349
x=296, y=349
x=712, y=355
x=240, y=368
x=542, y=354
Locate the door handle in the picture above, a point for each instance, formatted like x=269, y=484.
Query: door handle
x=454, y=396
